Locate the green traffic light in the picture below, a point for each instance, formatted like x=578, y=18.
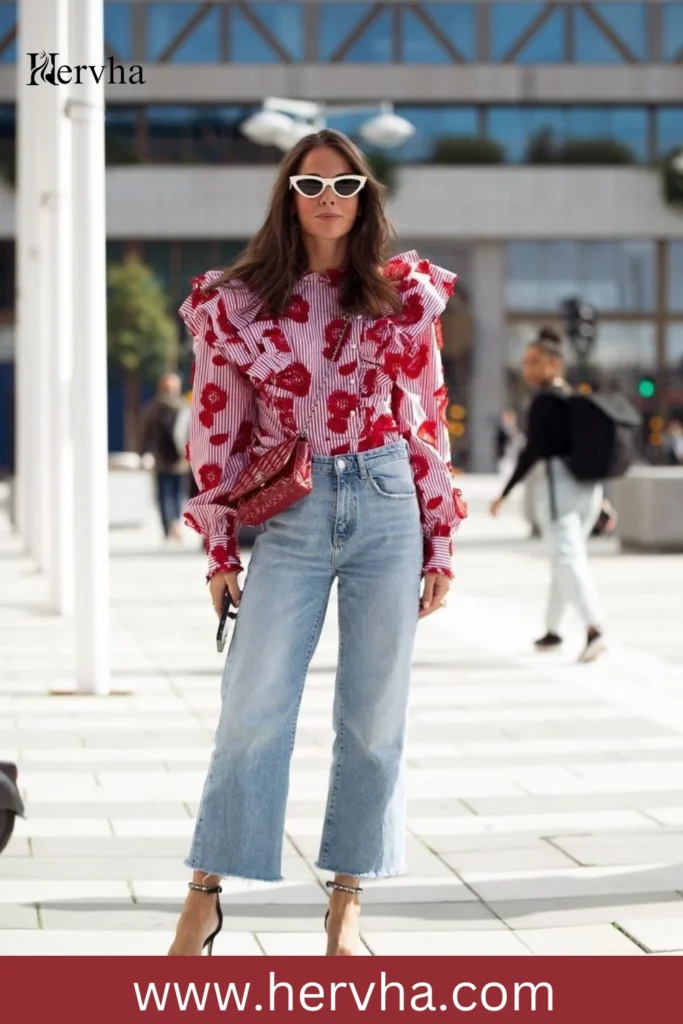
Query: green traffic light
x=646, y=388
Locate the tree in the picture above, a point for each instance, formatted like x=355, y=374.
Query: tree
x=142, y=335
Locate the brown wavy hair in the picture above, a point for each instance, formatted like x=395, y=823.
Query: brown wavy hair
x=275, y=259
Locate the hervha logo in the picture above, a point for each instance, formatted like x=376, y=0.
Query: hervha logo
x=44, y=68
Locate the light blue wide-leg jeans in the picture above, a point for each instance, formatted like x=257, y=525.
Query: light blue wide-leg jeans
x=361, y=525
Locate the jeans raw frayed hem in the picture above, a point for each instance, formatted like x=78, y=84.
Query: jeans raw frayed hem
x=399, y=873
x=230, y=874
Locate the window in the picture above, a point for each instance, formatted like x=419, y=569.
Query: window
x=669, y=129
x=613, y=276
x=201, y=134
x=605, y=36
x=432, y=125
x=335, y=22
x=117, y=30
x=628, y=23
x=675, y=278
x=8, y=29
x=375, y=44
x=672, y=31
x=120, y=126
x=285, y=22
x=542, y=134
x=529, y=33
x=183, y=33
x=423, y=35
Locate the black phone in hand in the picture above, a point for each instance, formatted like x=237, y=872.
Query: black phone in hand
x=226, y=623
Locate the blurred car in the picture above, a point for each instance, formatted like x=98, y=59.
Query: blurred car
x=11, y=803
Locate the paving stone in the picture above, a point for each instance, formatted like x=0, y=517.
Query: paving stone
x=600, y=939
x=445, y=943
x=657, y=935
x=509, y=860
x=94, y=942
x=92, y=868
x=585, y=910
x=111, y=847
x=22, y=916
x=296, y=944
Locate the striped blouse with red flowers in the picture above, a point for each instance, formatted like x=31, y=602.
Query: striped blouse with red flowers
x=256, y=378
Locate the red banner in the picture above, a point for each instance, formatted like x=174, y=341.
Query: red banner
x=118, y=990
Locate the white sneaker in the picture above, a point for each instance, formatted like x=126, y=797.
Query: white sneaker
x=593, y=649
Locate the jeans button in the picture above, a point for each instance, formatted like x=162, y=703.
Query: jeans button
x=341, y=464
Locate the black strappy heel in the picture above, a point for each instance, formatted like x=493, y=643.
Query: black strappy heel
x=210, y=890
x=338, y=887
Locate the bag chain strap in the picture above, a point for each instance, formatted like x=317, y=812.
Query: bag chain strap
x=340, y=343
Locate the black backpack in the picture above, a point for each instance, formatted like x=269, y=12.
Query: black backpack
x=604, y=433
x=165, y=446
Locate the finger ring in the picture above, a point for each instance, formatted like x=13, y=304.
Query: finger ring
x=444, y=603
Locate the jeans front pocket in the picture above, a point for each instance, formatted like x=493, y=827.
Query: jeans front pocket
x=393, y=480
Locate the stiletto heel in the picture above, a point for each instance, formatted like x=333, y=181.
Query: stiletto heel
x=210, y=890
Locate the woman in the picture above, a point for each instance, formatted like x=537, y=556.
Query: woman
x=566, y=510
x=380, y=515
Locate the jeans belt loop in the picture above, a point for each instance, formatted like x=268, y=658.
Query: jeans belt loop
x=362, y=465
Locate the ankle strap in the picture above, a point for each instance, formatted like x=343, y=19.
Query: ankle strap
x=338, y=887
x=204, y=888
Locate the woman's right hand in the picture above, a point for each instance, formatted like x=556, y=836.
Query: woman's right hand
x=221, y=582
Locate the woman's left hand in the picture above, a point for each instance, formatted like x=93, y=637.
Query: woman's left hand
x=436, y=586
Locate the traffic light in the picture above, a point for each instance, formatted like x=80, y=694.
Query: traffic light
x=581, y=324
x=646, y=387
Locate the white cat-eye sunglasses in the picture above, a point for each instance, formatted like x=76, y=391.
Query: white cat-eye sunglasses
x=312, y=185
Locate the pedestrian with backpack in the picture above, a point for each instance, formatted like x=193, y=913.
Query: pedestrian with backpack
x=574, y=443
x=165, y=428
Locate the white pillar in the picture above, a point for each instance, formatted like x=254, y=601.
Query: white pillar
x=91, y=607
x=57, y=296
x=487, y=395
x=31, y=479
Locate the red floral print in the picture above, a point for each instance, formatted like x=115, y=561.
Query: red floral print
x=413, y=311
x=285, y=408
x=242, y=438
x=369, y=383
x=392, y=364
x=209, y=476
x=335, y=276
x=415, y=362
x=348, y=368
x=218, y=439
x=206, y=419
x=277, y=336
x=433, y=503
x=342, y=403
x=220, y=361
x=420, y=464
x=224, y=325
x=214, y=398
x=334, y=332
x=295, y=378
x=341, y=449
x=427, y=432
x=297, y=309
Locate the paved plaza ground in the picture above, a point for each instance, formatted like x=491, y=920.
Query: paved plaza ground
x=545, y=798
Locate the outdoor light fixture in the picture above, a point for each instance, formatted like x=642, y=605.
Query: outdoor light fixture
x=283, y=123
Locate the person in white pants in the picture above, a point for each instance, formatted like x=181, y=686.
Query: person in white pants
x=566, y=509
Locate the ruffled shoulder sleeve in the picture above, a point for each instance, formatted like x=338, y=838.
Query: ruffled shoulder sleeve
x=425, y=290
x=224, y=310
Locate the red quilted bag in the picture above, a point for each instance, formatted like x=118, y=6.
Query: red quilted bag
x=282, y=475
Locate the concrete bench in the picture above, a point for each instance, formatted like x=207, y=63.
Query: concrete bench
x=649, y=501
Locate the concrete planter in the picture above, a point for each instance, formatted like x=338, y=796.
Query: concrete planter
x=131, y=493
x=650, y=502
